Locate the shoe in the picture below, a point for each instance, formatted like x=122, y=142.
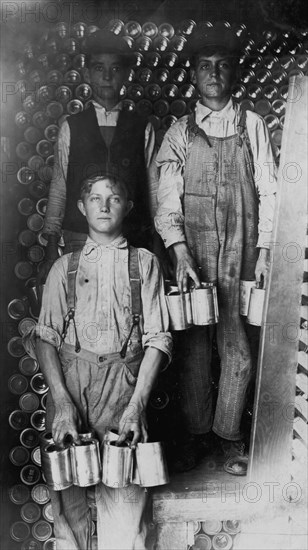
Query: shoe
x=186, y=456
x=204, y=444
x=236, y=459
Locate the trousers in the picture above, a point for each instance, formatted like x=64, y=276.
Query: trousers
x=101, y=388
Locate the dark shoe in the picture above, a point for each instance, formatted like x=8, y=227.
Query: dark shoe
x=186, y=458
x=236, y=459
x=204, y=444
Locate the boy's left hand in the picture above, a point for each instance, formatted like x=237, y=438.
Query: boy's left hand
x=133, y=420
x=262, y=267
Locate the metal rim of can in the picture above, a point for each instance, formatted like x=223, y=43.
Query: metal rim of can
x=41, y=239
x=23, y=457
x=47, y=512
x=25, y=175
x=40, y=493
x=16, y=342
x=74, y=106
x=29, y=402
x=36, y=253
x=41, y=414
x=23, y=270
x=50, y=544
x=132, y=29
x=22, y=526
x=166, y=30
x=30, y=512
x=14, y=314
x=44, y=148
x=44, y=401
x=26, y=442
x=41, y=206
x=33, y=472
x=17, y=384
x=149, y=29
x=32, y=134
x=35, y=222
x=35, y=162
x=36, y=456
x=22, y=365
x=42, y=530
x=51, y=132
x=211, y=527
x=36, y=186
x=206, y=541
x=24, y=494
x=22, y=420
x=227, y=541
x=26, y=206
x=38, y=376
x=31, y=544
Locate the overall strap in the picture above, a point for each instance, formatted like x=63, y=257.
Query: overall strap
x=72, y=269
x=194, y=130
x=135, y=287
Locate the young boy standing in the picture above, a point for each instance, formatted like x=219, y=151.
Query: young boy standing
x=101, y=367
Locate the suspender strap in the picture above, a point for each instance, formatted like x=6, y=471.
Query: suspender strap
x=135, y=286
x=72, y=269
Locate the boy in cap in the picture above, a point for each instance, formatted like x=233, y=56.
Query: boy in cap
x=101, y=338
x=216, y=201
x=102, y=133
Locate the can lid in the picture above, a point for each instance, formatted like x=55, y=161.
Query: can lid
x=36, y=253
x=25, y=175
x=35, y=222
x=18, y=384
x=30, y=474
x=263, y=107
x=40, y=493
x=31, y=544
x=178, y=108
x=38, y=383
x=23, y=270
x=54, y=109
x=15, y=347
x=29, y=402
x=17, y=308
x=51, y=544
x=29, y=438
x=36, y=456
x=232, y=526
x=26, y=206
x=25, y=325
x=202, y=542
x=38, y=420
x=47, y=512
x=222, y=541
x=19, y=455
x=211, y=527
x=19, y=494
x=161, y=107
x=19, y=531
x=42, y=530
x=30, y=512
x=26, y=237
x=28, y=366
x=38, y=189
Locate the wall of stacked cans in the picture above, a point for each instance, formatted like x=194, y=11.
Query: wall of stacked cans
x=51, y=87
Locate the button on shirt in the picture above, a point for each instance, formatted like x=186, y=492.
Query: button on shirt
x=57, y=194
x=171, y=160
x=103, y=301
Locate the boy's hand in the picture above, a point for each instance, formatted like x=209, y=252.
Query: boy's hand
x=262, y=266
x=133, y=421
x=66, y=423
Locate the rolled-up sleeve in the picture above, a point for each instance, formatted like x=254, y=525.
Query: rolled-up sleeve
x=171, y=159
x=265, y=169
x=57, y=193
x=54, y=305
x=154, y=309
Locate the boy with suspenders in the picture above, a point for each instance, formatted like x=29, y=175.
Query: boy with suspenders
x=101, y=339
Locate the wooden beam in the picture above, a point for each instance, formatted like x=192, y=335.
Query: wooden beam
x=270, y=452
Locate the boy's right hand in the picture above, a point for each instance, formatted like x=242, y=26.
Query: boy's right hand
x=66, y=422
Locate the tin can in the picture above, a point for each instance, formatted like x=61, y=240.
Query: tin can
x=152, y=92
x=45, y=173
x=74, y=106
x=15, y=347
x=36, y=456
x=63, y=94
x=177, y=43
x=128, y=105
x=270, y=92
x=222, y=541
x=25, y=206
x=31, y=544
x=187, y=91
x=170, y=92
x=32, y=134
x=262, y=107
x=144, y=75
x=24, y=150
x=169, y=59
x=17, y=384
x=152, y=60
x=86, y=462
x=202, y=542
x=232, y=526
x=187, y=26
x=40, y=493
x=279, y=107
x=42, y=530
x=138, y=59
x=26, y=237
x=272, y=122
x=30, y=512
x=135, y=92
x=179, y=308
x=166, y=30
x=35, y=222
x=47, y=512
x=254, y=92
x=37, y=189
x=38, y=383
x=204, y=304
x=30, y=474
x=44, y=148
x=79, y=61
x=51, y=132
x=277, y=137
x=133, y=29
x=38, y=420
x=56, y=465
x=35, y=162
x=36, y=253
x=160, y=43
x=27, y=365
x=239, y=91
x=151, y=464
x=178, y=108
x=211, y=527
x=256, y=304
x=22, y=119
x=29, y=437
x=19, y=455
x=116, y=26
x=144, y=107
x=83, y=92
x=29, y=402
x=279, y=76
x=117, y=465
x=17, y=308
x=247, y=105
x=263, y=76
x=161, y=108
x=19, y=531
x=45, y=94
x=23, y=270
x=50, y=544
x=149, y=29
x=19, y=494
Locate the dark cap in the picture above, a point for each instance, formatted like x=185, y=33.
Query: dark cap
x=221, y=37
x=103, y=41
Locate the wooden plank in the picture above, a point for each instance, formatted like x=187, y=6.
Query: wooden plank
x=299, y=451
x=303, y=337
x=301, y=407
x=301, y=429
x=171, y=535
x=270, y=450
x=303, y=361
x=302, y=382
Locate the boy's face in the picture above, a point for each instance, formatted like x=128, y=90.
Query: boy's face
x=213, y=77
x=105, y=208
x=106, y=75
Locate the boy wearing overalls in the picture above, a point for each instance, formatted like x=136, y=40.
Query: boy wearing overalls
x=101, y=338
x=215, y=210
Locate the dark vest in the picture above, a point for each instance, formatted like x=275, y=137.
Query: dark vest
x=88, y=149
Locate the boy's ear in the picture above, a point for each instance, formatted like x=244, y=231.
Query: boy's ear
x=81, y=207
x=193, y=75
x=130, y=206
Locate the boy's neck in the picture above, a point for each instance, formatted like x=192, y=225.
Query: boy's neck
x=215, y=104
x=108, y=105
x=103, y=238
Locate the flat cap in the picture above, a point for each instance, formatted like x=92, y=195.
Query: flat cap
x=103, y=41
x=222, y=37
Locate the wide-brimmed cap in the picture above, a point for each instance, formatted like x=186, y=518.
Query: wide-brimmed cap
x=103, y=41
x=220, y=37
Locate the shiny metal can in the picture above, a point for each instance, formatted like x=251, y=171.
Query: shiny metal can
x=74, y=106
x=86, y=462
x=166, y=30
x=15, y=346
x=232, y=526
x=19, y=494
x=222, y=541
x=211, y=527
x=38, y=420
x=47, y=512
x=149, y=29
x=42, y=530
x=28, y=366
x=19, y=456
x=29, y=402
x=40, y=493
x=151, y=464
x=256, y=305
x=17, y=384
x=17, y=308
x=19, y=531
x=38, y=383
x=204, y=304
x=36, y=456
x=30, y=474
x=117, y=465
x=30, y=512
x=29, y=437
x=56, y=465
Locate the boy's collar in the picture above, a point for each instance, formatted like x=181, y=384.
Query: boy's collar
x=117, y=107
x=227, y=113
x=91, y=245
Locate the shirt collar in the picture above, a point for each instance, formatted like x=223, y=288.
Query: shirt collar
x=91, y=246
x=116, y=108
x=227, y=113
